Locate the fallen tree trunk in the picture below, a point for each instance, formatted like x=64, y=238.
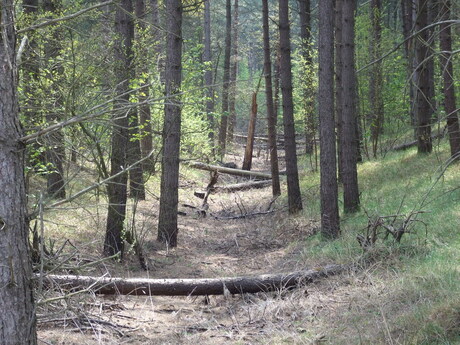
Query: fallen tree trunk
x=413, y=143
x=243, y=186
x=190, y=287
x=230, y=171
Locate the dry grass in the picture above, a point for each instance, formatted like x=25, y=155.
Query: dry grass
x=403, y=294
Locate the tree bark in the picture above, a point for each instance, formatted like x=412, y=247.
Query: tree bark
x=448, y=80
x=117, y=188
x=225, y=81
x=349, y=138
x=294, y=196
x=330, y=224
x=17, y=320
x=233, y=73
x=193, y=287
x=231, y=171
x=167, y=220
x=271, y=120
x=423, y=84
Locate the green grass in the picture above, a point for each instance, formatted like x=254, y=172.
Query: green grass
x=420, y=277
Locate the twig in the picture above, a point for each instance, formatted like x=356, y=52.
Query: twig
x=61, y=19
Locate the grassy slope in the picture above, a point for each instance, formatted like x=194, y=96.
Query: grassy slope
x=414, y=287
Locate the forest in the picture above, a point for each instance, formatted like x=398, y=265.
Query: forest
x=229, y=171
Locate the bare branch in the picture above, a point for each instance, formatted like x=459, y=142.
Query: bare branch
x=61, y=19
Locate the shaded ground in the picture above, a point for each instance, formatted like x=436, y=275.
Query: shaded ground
x=214, y=246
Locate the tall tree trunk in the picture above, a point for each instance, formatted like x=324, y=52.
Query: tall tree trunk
x=423, y=84
x=233, y=73
x=349, y=139
x=276, y=82
x=208, y=80
x=247, y=161
x=294, y=197
x=408, y=14
x=17, y=320
x=134, y=154
x=225, y=81
x=433, y=12
x=330, y=224
x=307, y=85
x=117, y=188
x=55, y=151
x=167, y=220
x=271, y=120
x=338, y=82
x=376, y=79
x=145, y=118
x=448, y=80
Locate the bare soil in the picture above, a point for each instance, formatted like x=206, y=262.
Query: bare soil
x=229, y=241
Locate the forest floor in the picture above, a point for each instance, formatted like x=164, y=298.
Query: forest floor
x=227, y=242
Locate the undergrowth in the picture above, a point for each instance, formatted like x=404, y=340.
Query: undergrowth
x=416, y=283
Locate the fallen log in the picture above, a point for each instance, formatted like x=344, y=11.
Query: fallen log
x=190, y=287
x=243, y=186
x=230, y=171
x=413, y=143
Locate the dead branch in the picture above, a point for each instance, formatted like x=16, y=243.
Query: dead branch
x=413, y=143
x=244, y=215
x=191, y=287
x=243, y=186
x=230, y=171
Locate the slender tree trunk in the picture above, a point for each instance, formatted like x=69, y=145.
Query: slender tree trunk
x=330, y=224
x=308, y=106
x=271, y=120
x=276, y=82
x=338, y=82
x=17, y=320
x=448, y=80
x=144, y=114
x=294, y=197
x=30, y=76
x=349, y=138
x=225, y=81
x=408, y=13
x=208, y=80
x=423, y=83
x=376, y=78
x=433, y=12
x=247, y=161
x=117, y=188
x=167, y=220
x=55, y=151
x=233, y=73
x=158, y=39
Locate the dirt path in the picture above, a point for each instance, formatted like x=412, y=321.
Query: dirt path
x=214, y=246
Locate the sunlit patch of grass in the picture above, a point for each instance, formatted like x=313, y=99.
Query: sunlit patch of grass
x=419, y=300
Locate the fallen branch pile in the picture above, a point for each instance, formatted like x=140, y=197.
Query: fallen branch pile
x=191, y=287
